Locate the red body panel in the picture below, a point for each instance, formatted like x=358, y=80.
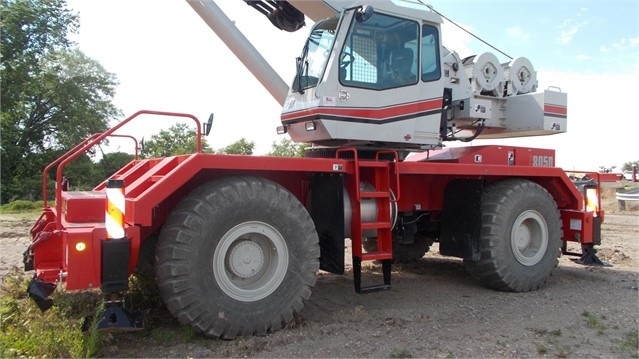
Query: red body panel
x=154, y=187
x=578, y=226
x=610, y=177
x=83, y=206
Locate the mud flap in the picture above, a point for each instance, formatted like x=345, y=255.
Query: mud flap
x=461, y=219
x=327, y=212
x=115, y=265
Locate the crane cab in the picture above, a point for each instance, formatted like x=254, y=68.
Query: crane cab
x=380, y=78
x=369, y=77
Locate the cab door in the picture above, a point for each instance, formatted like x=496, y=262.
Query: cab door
x=389, y=86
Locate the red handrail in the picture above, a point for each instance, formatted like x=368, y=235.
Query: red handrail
x=396, y=158
x=137, y=147
x=97, y=138
x=69, y=152
x=65, y=155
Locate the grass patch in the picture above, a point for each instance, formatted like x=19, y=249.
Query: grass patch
x=630, y=343
x=594, y=322
x=400, y=353
x=541, y=349
x=21, y=206
x=563, y=352
x=27, y=332
x=553, y=343
x=544, y=332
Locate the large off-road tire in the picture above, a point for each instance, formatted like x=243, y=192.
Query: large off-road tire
x=237, y=256
x=520, y=236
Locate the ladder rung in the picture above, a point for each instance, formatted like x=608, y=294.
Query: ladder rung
x=357, y=277
x=374, y=195
x=375, y=256
x=375, y=288
x=376, y=225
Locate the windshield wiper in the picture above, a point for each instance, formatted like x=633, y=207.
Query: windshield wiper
x=299, y=64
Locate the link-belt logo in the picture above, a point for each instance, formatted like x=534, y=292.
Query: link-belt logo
x=543, y=161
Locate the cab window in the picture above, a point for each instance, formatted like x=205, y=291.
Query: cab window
x=380, y=53
x=430, y=54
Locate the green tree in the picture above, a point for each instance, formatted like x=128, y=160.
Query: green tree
x=628, y=165
x=239, y=147
x=53, y=96
x=288, y=148
x=179, y=139
x=82, y=174
x=110, y=164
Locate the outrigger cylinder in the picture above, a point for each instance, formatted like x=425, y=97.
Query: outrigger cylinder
x=116, y=248
x=116, y=253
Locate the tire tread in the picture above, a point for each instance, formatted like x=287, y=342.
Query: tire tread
x=179, y=242
x=498, y=201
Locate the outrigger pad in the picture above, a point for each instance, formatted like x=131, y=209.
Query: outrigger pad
x=40, y=291
x=116, y=319
x=589, y=257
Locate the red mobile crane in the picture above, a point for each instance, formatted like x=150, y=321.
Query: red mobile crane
x=238, y=240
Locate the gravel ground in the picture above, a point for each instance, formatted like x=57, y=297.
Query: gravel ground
x=434, y=310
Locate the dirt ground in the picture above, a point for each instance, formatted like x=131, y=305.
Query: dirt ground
x=435, y=310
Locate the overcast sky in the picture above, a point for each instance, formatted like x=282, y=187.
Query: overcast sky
x=166, y=58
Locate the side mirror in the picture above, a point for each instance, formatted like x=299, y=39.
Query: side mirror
x=208, y=125
x=364, y=13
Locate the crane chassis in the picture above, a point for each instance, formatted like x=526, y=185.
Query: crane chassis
x=238, y=241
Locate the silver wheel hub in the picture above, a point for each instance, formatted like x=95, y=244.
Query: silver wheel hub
x=529, y=238
x=245, y=259
x=250, y=261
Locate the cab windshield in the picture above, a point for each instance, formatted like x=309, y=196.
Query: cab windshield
x=312, y=61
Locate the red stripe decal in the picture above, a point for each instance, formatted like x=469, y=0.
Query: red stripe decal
x=558, y=110
x=380, y=113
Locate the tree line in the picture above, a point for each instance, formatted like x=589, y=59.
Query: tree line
x=54, y=96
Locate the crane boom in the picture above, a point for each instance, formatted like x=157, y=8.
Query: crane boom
x=233, y=38
x=289, y=15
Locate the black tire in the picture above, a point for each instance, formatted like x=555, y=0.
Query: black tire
x=409, y=253
x=520, y=236
x=143, y=285
x=237, y=256
x=402, y=252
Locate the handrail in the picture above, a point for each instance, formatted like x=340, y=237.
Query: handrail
x=396, y=158
x=69, y=152
x=137, y=146
x=48, y=167
x=355, y=169
x=93, y=140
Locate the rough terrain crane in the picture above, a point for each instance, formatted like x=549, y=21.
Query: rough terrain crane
x=238, y=240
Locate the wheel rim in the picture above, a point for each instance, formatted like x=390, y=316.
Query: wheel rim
x=250, y=261
x=529, y=238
